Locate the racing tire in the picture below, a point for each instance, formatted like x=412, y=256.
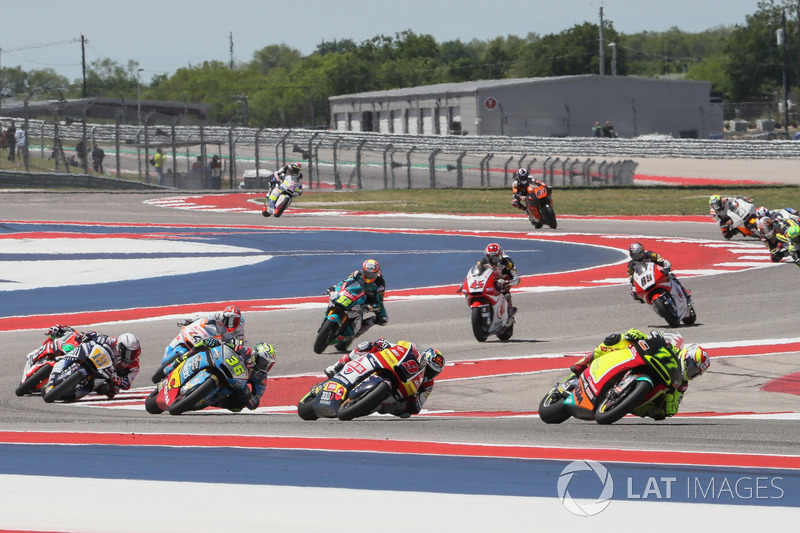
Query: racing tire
x=281, y=208
x=633, y=398
x=159, y=375
x=189, y=401
x=305, y=408
x=265, y=213
x=30, y=384
x=692, y=318
x=478, y=329
x=552, y=409
x=365, y=404
x=326, y=333
x=63, y=388
x=150, y=404
x=506, y=333
x=550, y=216
x=663, y=311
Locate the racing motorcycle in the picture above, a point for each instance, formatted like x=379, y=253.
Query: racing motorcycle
x=667, y=297
x=205, y=379
x=190, y=334
x=741, y=219
x=539, y=206
x=79, y=368
x=288, y=188
x=489, y=307
x=364, y=384
x=614, y=385
x=347, y=317
x=40, y=362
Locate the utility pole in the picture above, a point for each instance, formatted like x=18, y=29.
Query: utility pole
x=230, y=38
x=602, y=50
x=83, y=62
x=782, y=42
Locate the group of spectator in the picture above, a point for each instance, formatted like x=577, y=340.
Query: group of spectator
x=14, y=140
x=606, y=130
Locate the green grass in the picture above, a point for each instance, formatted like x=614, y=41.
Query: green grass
x=666, y=200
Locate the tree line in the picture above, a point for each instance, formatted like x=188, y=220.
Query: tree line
x=279, y=87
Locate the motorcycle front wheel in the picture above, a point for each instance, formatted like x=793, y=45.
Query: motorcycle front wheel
x=552, y=409
x=609, y=411
x=664, y=312
x=150, y=404
x=326, y=333
x=550, y=216
x=279, y=209
x=305, y=408
x=63, y=388
x=37, y=377
x=480, y=331
x=193, y=398
x=365, y=404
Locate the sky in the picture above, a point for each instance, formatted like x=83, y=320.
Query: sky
x=165, y=35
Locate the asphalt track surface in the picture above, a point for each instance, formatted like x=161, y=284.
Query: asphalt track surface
x=731, y=412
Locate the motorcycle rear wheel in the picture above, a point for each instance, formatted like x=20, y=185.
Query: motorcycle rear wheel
x=481, y=333
x=661, y=309
x=689, y=320
x=608, y=413
x=190, y=400
x=507, y=334
x=63, y=388
x=550, y=216
x=364, y=405
x=305, y=408
x=150, y=404
x=325, y=335
x=37, y=377
x=552, y=409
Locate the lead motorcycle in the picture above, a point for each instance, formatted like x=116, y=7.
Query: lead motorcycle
x=741, y=219
x=614, y=385
x=189, y=335
x=289, y=189
x=40, y=362
x=488, y=306
x=653, y=285
x=348, y=316
x=539, y=206
x=205, y=379
x=81, y=368
x=364, y=384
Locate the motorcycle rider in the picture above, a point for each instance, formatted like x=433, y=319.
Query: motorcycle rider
x=615, y=341
x=125, y=351
x=371, y=279
x=719, y=207
x=259, y=361
x=519, y=187
x=694, y=360
x=639, y=255
x=293, y=172
x=791, y=237
x=768, y=231
x=229, y=322
x=506, y=271
x=431, y=360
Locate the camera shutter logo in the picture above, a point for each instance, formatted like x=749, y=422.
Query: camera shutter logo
x=589, y=508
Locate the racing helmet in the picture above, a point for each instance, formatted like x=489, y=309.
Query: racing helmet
x=636, y=251
x=793, y=232
x=762, y=211
x=694, y=361
x=715, y=201
x=263, y=356
x=523, y=174
x=129, y=348
x=231, y=317
x=494, y=253
x=766, y=227
x=370, y=270
x=295, y=168
x=434, y=362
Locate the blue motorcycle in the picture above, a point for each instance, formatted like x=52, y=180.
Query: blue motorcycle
x=346, y=317
x=206, y=379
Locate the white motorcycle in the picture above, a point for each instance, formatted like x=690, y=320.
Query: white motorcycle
x=741, y=219
x=488, y=305
x=288, y=188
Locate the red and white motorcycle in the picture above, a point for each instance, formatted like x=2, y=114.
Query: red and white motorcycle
x=653, y=285
x=39, y=363
x=488, y=305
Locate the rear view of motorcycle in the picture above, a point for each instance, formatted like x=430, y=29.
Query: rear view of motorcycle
x=345, y=317
x=489, y=308
x=539, y=206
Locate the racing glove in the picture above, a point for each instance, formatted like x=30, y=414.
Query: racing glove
x=634, y=334
x=207, y=343
x=252, y=402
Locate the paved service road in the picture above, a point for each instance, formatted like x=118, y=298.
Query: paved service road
x=741, y=307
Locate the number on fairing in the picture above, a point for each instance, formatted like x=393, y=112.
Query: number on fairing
x=235, y=365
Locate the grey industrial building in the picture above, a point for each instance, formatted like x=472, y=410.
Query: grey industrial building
x=565, y=106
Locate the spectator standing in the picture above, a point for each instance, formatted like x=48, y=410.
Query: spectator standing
x=11, y=140
x=608, y=130
x=80, y=149
x=98, y=154
x=216, y=172
x=158, y=162
x=597, y=131
x=22, y=143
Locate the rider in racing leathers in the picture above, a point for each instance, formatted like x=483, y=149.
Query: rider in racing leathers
x=519, y=188
x=506, y=271
x=613, y=342
x=291, y=172
x=718, y=209
x=229, y=322
x=431, y=359
x=125, y=351
x=639, y=255
x=370, y=276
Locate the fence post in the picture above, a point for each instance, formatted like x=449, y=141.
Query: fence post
x=117, y=144
x=337, y=182
x=432, y=166
x=505, y=171
x=408, y=165
x=311, y=161
x=460, y=170
x=360, y=185
x=386, y=166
